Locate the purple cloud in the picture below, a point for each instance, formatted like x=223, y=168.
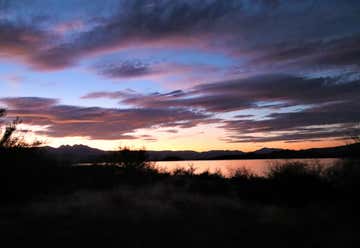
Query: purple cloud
x=95, y=122
x=327, y=101
x=276, y=90
x=126, y=69
x=255, y=31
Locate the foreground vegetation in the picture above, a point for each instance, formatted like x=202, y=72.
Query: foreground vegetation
x=129, y=202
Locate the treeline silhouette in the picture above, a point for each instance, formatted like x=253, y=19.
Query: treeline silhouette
x=351, y=150
x=28, y=173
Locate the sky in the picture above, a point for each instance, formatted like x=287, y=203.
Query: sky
x=182, y=74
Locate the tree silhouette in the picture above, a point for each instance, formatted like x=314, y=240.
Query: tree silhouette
x=9, y=130
x=8, y=140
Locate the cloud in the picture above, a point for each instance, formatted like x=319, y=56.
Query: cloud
x=136, y=68
x=20, y=40
x=262, y=30
x=293, y=137
x=333, y=120
x=103, y=94
x=29, y=103
x=274, y=90
x=96, y=122
x=313, y=102
x=126, y=69
x=136, y=23
x=310, y=55
x=69, y=27
x=261, y=36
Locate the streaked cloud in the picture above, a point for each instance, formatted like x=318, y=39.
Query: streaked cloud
x=278, y=90
x=315, y=102
x=255, y=31
x=96, y=122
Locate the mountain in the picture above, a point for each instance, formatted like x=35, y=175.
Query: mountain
x=267, y=150
x=81, y=153
x=352, y=150
x=191, y=155
x=75, y=153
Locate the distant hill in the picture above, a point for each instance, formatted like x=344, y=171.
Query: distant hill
x=268, y=150
x=191, y=155
x=75, y=153
x=82, y=153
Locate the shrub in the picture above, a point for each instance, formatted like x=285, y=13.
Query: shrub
x=190, y=171
x=130, y=159
x=241, y=174
x=344, y=175
x=297, y=183
x=292, y=170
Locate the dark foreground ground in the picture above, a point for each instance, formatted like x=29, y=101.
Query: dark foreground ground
x=153, y=216
x=295, y=205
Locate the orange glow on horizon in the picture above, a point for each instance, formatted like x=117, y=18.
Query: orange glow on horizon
x=195, y=139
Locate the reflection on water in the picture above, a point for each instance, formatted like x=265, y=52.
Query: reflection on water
x=226, y=167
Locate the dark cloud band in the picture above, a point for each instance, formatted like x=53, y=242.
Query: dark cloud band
x=95, y=122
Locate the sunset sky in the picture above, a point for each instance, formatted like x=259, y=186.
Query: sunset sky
x=182, y=74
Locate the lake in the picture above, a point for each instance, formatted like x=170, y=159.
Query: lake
x=226, y=167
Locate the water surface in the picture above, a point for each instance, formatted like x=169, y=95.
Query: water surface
x=226, y=167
